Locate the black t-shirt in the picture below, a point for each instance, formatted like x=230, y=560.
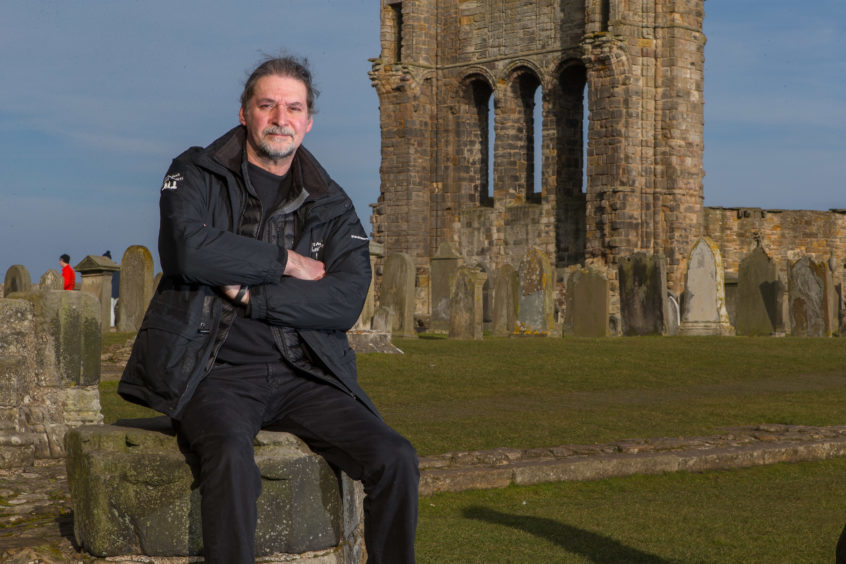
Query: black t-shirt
x=250, y=340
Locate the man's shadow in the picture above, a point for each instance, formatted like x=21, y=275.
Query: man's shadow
x=595, y=547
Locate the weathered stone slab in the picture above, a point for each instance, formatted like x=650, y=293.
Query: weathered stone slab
x=136, y=287
x=536, y=313
x=643, y=290
x=51, y=280
x=760, y=295
x=365, y=318
x=49, y=371
x=466, y=307
x=444, y=267
x=506, y=301
x=813, y=305
x=703, y=302
x=134, y=492
x=588, y=304
x=397, y=293
x=17, y=280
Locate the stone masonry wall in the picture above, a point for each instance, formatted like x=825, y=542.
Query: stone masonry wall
x=638, y=68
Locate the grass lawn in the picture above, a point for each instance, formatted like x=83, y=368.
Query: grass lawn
x=458, y=395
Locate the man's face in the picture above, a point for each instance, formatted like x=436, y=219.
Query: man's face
x=277, y=119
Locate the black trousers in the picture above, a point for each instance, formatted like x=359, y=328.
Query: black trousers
x=234, y=402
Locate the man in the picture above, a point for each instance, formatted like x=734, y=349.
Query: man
x=265, y=268
x=68, y=273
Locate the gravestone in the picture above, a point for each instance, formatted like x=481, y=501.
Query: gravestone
x=444, y=266
x=17, y=280
x=703, y=302
x=134, y=492
x=536, y=312
x=97, y=272
x=467, y=304
x=760, y=294
x=51, y=280
x=588, y=304
x=643, y=290
x=365, y=318
x=506, y=301
x=136, y=287
x=397, y=293
x=811, y=298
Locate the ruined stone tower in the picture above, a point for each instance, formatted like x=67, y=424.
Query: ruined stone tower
x=636, y=66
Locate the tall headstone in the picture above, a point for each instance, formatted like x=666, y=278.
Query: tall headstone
x=17, y=280
x=365, y=319
x=397, y=293
x=760, y=294
x=136, y=287
x=703, y=303
x=588, y=304
x=444, y=266
x=51, y=280
x=467, y=304
x=536, y=313
x=643, y=291
x=812, y=299
x=97, y=272
x=506, y=301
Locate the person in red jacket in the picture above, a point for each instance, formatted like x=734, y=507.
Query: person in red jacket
x=67, y=272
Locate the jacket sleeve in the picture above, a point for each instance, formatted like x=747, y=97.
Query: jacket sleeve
x=331, y=303
x=194, y=249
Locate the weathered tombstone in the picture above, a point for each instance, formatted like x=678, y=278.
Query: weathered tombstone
x=50, y=358
x=444, y=266
x=466, y=304
x=703, y=303
x=365, y=318
x=134, y=492
x=383, y=319
x=397, y=293
x=17, y=280
x=673, y=310
x=536, y=312
x=588, y=304
x=97, y=272
x=136, y=287
x=811, y=296
x=506, y=301
x=643, y=287
x=51, y=280
x=759, y=296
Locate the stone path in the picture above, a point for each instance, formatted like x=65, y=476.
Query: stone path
x=36, y=525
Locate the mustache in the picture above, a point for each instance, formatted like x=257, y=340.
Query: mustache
x=278, y=130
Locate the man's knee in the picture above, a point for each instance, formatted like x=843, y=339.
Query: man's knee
x=398, y=458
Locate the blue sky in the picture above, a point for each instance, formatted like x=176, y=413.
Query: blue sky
x=99, y=95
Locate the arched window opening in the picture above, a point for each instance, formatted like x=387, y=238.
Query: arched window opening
x=475, y=143
x=537, y=145
x=570, y=115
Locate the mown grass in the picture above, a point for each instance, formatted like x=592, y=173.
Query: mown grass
x=452, y=395
x=456, y=395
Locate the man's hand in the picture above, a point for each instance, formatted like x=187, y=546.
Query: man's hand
x=232, y=292
x=304, y=268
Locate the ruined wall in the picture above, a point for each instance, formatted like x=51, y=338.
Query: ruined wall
x=785, y=235
x=637, y=66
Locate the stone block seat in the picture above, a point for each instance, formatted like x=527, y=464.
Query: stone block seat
x=134, y=492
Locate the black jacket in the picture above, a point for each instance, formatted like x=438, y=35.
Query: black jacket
x=202, y=199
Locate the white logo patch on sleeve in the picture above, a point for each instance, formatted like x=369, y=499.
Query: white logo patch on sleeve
x=171, y=181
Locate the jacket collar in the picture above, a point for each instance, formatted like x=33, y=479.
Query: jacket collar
x=228, y=151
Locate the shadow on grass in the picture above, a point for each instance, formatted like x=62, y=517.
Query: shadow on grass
x=595, y=547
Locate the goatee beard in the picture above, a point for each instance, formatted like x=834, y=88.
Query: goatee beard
x=266, y=150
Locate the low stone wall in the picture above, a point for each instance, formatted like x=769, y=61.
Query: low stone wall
x=134, y=492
